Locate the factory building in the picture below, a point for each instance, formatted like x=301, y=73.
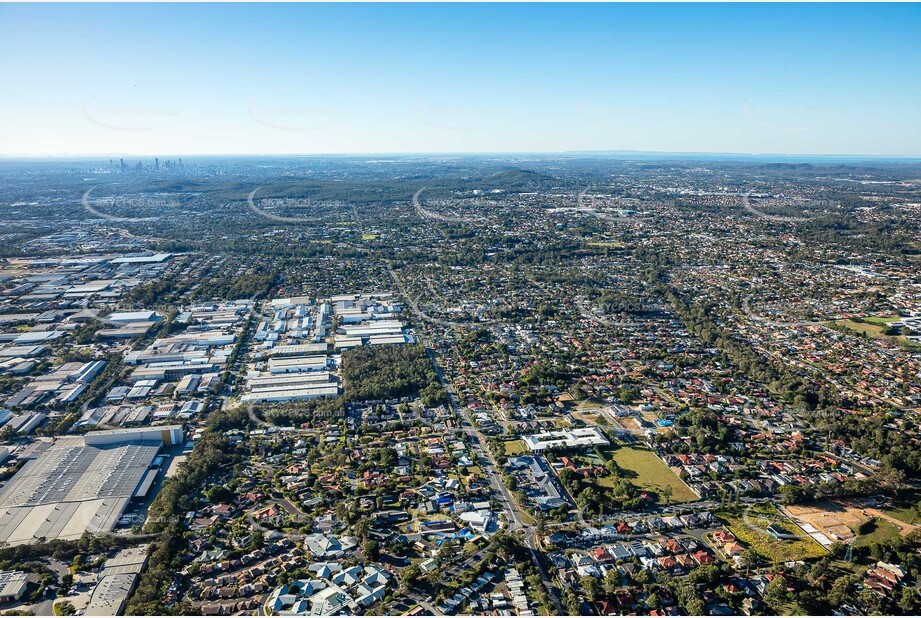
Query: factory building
x=80, y=484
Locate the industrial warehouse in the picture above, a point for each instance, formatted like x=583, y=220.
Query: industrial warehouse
x=78, y=484
x=295, y=337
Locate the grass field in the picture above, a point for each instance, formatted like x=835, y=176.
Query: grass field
x=864, y=328
x=907, y=514
x=903, y=507
x=369, y=236
x=750, y=533
x=884, y=322
x=874, y=531
x=650, y=473
x=875, y=328
x=514, y=447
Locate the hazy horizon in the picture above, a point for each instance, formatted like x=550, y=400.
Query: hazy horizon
x=650, y=154
x=770, y=80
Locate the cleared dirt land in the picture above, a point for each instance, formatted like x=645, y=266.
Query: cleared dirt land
x=838, y=520
x=834, y=520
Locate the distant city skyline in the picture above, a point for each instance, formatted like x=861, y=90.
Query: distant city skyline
x=203, y=79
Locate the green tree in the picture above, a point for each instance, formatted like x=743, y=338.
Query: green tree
x=612, y=579
x=840, y=592
x=775, y=593
x=667, y=491
x=371, y=550
x=219, y=494
x=256, y=540
x=572, y=603
x=591, y=587
x=910, y=601
x=748, y=560
x=695, y=607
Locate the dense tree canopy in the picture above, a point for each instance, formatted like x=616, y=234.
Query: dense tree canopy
x=390, y=371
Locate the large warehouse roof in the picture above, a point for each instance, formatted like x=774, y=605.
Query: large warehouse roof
x=72, y=487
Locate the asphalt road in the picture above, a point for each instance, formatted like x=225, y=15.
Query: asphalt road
x=491, y=468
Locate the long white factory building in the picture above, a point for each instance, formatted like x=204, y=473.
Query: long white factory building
x=78, y=484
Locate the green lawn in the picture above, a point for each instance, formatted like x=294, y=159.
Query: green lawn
x=906, y=514
x=874, y=531
x=903, y=508
x=651, y=473
x=866, y=328
x=884, y=322
x=514, y=447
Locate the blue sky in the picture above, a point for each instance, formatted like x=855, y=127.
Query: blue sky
x=162, y=79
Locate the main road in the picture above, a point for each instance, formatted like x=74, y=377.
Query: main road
x=491, y=468
x=478, y=439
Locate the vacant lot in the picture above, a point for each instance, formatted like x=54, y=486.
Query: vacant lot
x=835, y=520
x=864, y=328
x=903, y=508
x=514, y=447
x=589, y=407
x=875, y=530
x=646, y=471
x=907, y=514
x=748, y=525
x=843, y=520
